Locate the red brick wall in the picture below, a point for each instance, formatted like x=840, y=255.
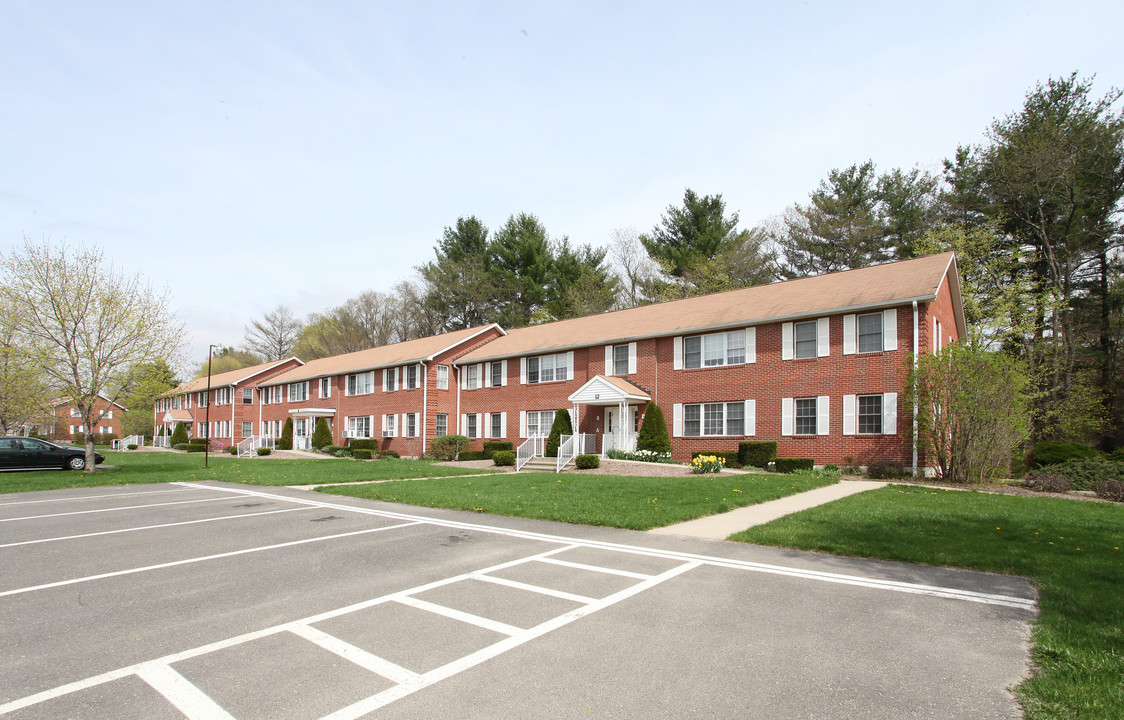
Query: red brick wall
x=65, y=421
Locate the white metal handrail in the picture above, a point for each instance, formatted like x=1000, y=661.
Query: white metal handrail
x=162, y=441
x=532, y=447
x=249, y=446
x=570, y=447
x=612, y=441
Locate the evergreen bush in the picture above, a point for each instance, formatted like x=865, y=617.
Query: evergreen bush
x=322, y=435
x=472, y=455
x=492, y=446
x=560, y=427
x=179, y=434
x=756, y=453
x=788, y=465
x=361, y=444
x=388, y=454
x=1083, y=473
x=1052, y=452
x=264, y=451
x=285, y=442
x=587, y=461
x=504, y=458
x=653, y=434
x=361, y=454
x=446, y=447
x=1110, y=490
x=885, y=470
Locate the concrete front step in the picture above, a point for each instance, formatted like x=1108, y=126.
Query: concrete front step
x=544, y=464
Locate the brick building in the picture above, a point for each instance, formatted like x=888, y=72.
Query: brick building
x=232, y=400
x=69, y=422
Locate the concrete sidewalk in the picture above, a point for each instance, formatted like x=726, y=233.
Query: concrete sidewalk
x=720, y=527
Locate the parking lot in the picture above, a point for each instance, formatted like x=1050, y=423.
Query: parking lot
x=220, y=601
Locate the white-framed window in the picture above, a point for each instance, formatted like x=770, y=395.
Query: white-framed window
x=805, y=416
x=411, y=377
x=442, y=377
x=359, y=427
x=247, y=428
x=805, y=339
x=108, y=414
x=224, y=396
x=724, y=418
x=390, y=426
x=389, y=379
x=472, y=377
x=938, y=336
x=202, y=431
x=324, y=386
x=497, y=429
x=187, y=401
x=620, y=359
x=471, y=429
x=870, y=332
x=411, y=424
x=103, y=429
x=271, y=395
x=874, y=414
x=247, y=396
x=497, y=371
x=361, y=383
x=714, y=350
x=536, y=422
x=75, y=412
x=549, y=368
x=441, y=420
x=177, y=402
x=298, y=391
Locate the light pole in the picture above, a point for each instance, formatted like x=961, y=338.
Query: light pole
x=207, y=415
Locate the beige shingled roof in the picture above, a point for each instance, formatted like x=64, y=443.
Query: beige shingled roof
x=231, y=377
x=402, y=353
x=870, y=287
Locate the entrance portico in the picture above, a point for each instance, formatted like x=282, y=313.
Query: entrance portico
x=304, y=424
x=621, y=402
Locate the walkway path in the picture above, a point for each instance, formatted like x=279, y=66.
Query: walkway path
x=720, y=527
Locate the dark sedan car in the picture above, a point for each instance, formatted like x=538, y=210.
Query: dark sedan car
x=23, y=453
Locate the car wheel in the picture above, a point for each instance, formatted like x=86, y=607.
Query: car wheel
x=76, y=463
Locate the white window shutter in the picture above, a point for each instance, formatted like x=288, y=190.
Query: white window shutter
x=849, y=402
x=503, y=425
x=890, y=329
x=609, y=360
x=403, y=427
x=934, y=341
x=570, y=365
x=464, y=425
x=487, y=375
x=481, y=431
x=786, y=416
x=786, y=342
x=750, y=417
x=890, y=414
x=823, y=337
x=677, y=353
x=503, y=373
x=677, y=419
x=751, y=345
x=523, y=375
x=823, y=413
x=480, y=375
x=522, y=423
x=849, y=334
x=384, y=378
x=632, y=358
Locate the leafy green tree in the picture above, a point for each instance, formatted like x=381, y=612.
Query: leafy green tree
x=746, y=261
x=908, y=204
x=973, y=410
x=179, y=434
x=366, y=321
x=322, y=435
x=653, y=433
x=520, y=258
x=560, y=427
x=225, y=359
x=580, y=282
x=24, y=396
x=690, y=235
x=285, y=442
x=460, y=290
x=148, y=381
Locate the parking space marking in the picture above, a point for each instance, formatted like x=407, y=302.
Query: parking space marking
x=112, y=509
x=535, y=588
x=857, y=580
x=594, y=568
x=204, y=558
x=181, y=692
x=464, y=617
x=90, y=497
x=151, y=527
x=362, y=658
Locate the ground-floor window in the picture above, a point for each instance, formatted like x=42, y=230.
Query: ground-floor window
x=870, y=414
x=359, y=427
x=805, y=416
x=470, y=429
x=247, y=428
x=442, y=423
x=390, y=426
x=539, y=422
x=411, y=423
x=497, y=425
x=714, y=419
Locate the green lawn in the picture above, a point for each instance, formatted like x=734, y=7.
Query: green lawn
x=153, y=467
x=636, y=503
x=1071, y=550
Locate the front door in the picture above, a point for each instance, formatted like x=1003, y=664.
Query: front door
x=612, y=418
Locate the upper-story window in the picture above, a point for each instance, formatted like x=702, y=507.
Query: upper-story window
x=224, y=396
x=390, y=379
x=202, y=399
x=271, y=395
x=298, y=392
x=715, y=349
x=620, y=359
x=324, y=385
x=442, y=377
x=360, y=383
x=497, y=373
x=870, y=332
x=411, y=377
x=472, y=378
x=547, y=368
x=247, y=396
x=806, y=339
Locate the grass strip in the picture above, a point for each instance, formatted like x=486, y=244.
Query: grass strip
x=154, y=467
x=635, y=503
x=1071, y=550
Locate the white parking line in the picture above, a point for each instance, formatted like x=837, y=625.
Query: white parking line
x=112, y=509
x=188, y=561
x=464, y=617
x=857, y=580
x=152, y=527
x=535, y=588
x=90, y=497
x=362, y=658
x=178, y=690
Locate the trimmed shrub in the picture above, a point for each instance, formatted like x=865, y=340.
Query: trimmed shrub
x=586, y=461
x=321, y=436
x=180, y=446
x=560, y=427
x=885, y=470
x=756, y=453
x=1083, y=473
x=361, y=454
x=787, y=465
x=361, y=444
x=131, y=446
x=472, y=455
x=333, y=449
x=80, y=438
x=1110, y=490
x=446, y=447
x=230, y=449
x=285, y=442
x=193, y=448
x=1052, y=452
x=505, y=458
x=388, y=454
x=653, y=431
x=264, y=451
x=492, y=446
x=1047, y=482
x=730, y=456
x=179, y=434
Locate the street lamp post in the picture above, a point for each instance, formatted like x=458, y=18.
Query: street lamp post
x=207, y=415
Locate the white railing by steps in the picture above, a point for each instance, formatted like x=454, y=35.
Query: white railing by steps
x=162, y=441
x=534, y=446
x=572, y=446
x=137, y=440
x=249, y=446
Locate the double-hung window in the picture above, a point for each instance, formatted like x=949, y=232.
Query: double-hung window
x=805, y=416
x=325, y=387
x=470, y=429
x=360, y=383
x=442, y=377
x=870, y=414
x=390, y=379
x=700, y=419
x=411, y=424
x=272, y=395
x=538, y=422
x=870, y=332
x=390, y=425
x=247, y=428
x=473, y=377
x=620, y=359
x=548, y=368
x=411, y=377
x=806, y=339
x=497, y=425
x=441, y=424
x=496, y=371
x=715, y=349
x=247, y=396
x=202, y=399
x=298, y=392
x=359, y=427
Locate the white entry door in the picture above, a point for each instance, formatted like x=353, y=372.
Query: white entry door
x=612, y=418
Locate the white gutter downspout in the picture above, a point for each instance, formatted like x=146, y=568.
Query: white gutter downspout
x=916, y=351
x=425, y=402
x=458, y=423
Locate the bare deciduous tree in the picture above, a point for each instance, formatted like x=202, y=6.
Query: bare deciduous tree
x=274, y=336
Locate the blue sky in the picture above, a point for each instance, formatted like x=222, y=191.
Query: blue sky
x=247, y=154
